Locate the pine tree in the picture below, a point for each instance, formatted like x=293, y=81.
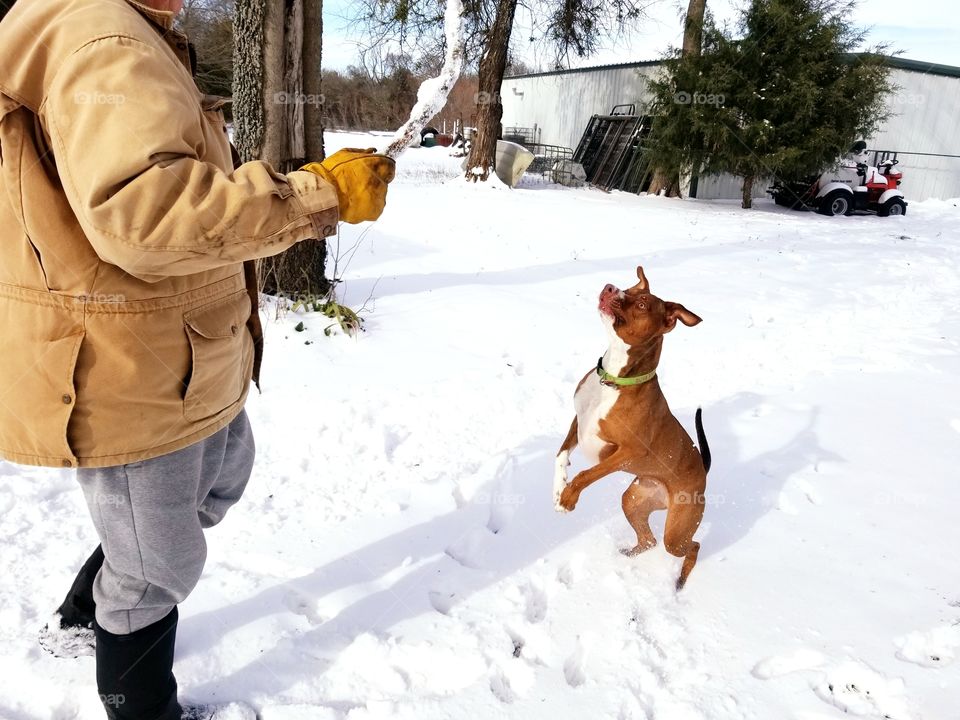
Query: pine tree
x=783, y=98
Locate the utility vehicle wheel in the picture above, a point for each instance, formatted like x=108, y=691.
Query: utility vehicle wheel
x=893, y=206
x=835, y=203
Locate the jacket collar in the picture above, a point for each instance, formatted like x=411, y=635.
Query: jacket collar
x=163, y=18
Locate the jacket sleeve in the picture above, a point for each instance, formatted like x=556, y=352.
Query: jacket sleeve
x=126, y=130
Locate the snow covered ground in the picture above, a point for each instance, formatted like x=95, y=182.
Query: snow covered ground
x=397, y=554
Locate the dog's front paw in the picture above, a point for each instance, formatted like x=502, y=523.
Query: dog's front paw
x=560, y=478
x=568, y=499
x=559, y=483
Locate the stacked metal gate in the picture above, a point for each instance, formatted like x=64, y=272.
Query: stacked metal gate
x=612, y=153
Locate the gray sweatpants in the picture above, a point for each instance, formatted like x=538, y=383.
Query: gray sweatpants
x=150, y=517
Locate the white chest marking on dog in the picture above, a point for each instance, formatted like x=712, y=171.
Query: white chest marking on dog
x=593, y=400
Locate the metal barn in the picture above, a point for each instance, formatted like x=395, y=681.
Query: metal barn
x=554, y=108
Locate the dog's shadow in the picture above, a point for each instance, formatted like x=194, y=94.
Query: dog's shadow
x=741, y=490
x=499, y=527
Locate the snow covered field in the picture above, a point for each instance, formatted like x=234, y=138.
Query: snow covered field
x=397, y=554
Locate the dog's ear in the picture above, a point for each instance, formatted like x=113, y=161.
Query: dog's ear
x=676, y=311
x=643, y=285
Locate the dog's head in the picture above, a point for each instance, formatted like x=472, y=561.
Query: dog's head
x=636, y=317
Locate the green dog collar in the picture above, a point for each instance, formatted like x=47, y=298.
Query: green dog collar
x=613, y=381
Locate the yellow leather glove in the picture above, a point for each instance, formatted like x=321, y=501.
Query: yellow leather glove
x=360, y=178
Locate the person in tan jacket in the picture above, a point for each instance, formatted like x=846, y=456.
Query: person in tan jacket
x=129, y=293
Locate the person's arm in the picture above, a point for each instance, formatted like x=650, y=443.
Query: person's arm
x=126, y=133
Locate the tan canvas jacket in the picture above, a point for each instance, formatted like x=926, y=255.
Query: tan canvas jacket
x=127, y=320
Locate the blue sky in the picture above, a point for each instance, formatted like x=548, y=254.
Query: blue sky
x=923, y=29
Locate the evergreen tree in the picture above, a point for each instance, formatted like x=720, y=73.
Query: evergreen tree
x=783, y=98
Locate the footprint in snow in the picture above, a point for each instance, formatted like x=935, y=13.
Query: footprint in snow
x=858, y=689
x=572, y=570
x=574, y=669
x=470, y=549
x=536, y=600
x=934, y=648
x=300, y=603
x=850, y=685
x=503, y=500
x=441, y=601
x=392, y=439
x=511, y=680
x=500, y=687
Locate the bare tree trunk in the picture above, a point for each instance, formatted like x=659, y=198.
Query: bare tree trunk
x=493, y=64
x=277, y=81
x=747, y=192
x=274, y=93
x=693, y=28
x=312, y=86
x=248, y=78
x=663, y=181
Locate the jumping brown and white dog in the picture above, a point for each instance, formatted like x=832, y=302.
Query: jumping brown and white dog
x=623, y=422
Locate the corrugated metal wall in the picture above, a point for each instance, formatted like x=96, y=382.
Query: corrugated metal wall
x=560, y=104
x=926, y=119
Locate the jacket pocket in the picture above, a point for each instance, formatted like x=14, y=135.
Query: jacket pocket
x=218, y=347
x=37, y=399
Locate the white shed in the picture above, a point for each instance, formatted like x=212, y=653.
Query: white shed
x=924, y=129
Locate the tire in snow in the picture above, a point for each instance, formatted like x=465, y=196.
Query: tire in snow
x=893, y=206
x=837, y=202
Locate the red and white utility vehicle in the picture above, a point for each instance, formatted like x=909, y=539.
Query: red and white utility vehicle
x=852, y=186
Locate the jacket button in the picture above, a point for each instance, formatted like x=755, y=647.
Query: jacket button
x=67, y=399
x=233, y=329
x=67, y=463
x=328, y=229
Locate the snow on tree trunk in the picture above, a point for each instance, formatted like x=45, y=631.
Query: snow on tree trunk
x=432, y=95
x=493, y=64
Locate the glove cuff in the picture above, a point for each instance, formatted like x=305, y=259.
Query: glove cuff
x=318, y=169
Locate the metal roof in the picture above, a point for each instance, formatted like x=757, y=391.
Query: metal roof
x=893, y=61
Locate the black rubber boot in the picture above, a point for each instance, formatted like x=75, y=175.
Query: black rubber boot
x=77, y=609
x=135, y=672
x=69, y=633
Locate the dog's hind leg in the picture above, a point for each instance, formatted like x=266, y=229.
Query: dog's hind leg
x=683, y=519
x=641, y=498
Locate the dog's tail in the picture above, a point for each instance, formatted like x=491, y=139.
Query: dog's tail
x=702, y=442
